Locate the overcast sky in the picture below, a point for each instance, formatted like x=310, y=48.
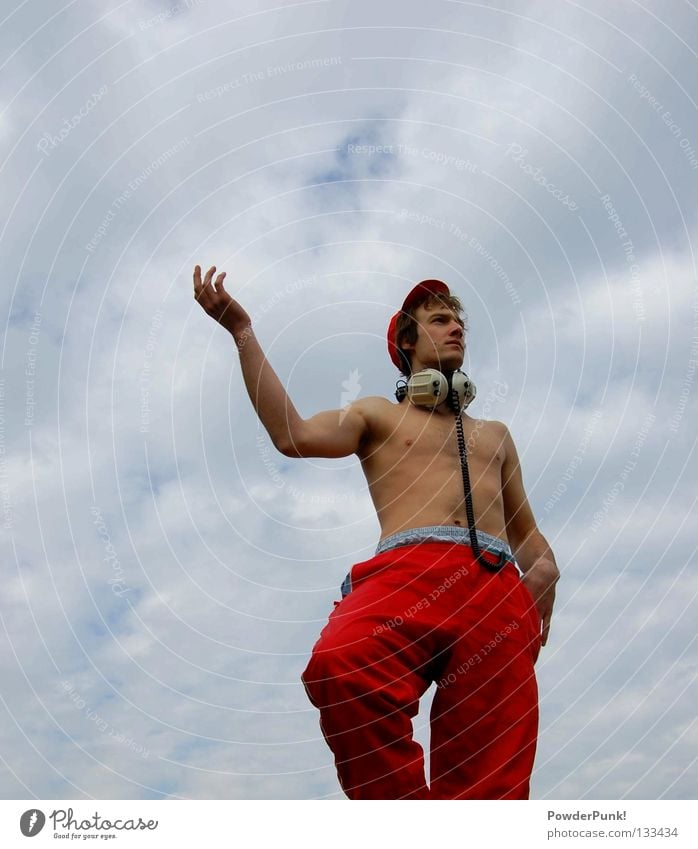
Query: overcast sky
x=166, y=571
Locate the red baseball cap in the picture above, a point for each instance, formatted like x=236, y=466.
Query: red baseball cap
x=419, y=293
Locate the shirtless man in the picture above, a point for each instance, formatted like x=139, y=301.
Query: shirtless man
x=424, y=609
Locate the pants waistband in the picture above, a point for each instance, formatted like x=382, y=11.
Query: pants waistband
x=444, y=533
x=437, y=533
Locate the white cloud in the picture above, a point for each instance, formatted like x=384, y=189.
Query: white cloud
x=230, y=556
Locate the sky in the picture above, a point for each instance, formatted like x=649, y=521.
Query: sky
x=166, y=570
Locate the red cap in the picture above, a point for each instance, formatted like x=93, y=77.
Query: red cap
x=419, y=293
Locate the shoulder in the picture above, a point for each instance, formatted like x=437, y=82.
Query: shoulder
x=499, y=428
x=493, y=427
x=377, y=412
x=372, y=403
x=497, y=435
x=373, y=407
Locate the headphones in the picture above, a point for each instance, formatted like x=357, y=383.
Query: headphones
x=430, y=388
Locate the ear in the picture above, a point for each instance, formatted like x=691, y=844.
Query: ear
x=407, y=346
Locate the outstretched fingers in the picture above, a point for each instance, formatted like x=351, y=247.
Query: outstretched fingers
x=209, y=275
x=202, y=291
x=198, y=285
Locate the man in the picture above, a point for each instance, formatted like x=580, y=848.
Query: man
x=425, y=608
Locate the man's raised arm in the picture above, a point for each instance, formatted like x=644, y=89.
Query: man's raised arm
x=334, y=433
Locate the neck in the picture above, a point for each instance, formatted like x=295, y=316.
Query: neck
x=447, y=371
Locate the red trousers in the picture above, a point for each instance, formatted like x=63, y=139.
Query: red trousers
x=417, y=614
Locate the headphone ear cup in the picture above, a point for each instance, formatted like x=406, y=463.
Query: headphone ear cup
x=465, y=388
x=427, y=388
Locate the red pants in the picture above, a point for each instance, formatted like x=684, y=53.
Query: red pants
x=417, y=614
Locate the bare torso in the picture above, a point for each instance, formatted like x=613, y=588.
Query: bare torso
x=411, y=463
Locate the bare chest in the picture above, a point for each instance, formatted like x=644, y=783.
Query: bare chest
x=428, y=437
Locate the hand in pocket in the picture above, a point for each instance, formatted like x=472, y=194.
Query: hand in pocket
x=539, y=581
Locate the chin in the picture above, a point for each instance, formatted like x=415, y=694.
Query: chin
x=453, y=362
x=448, y=360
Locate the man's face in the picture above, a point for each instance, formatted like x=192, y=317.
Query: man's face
x=440, y=339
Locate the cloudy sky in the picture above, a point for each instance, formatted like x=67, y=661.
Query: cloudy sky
x=166, y=571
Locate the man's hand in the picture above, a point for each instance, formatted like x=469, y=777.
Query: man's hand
x=540, y=581
x=218, y=303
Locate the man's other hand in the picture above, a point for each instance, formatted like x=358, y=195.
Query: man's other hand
x=540, y=581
